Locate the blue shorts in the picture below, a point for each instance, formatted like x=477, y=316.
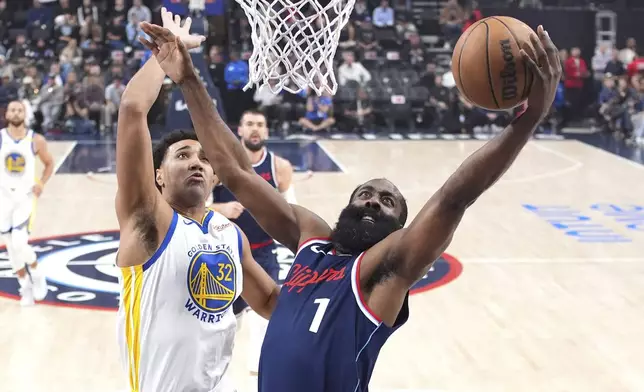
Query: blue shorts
x=267, y=259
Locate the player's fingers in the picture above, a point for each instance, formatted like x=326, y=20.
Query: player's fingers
x=187, y=23
x=551, y=50
x=158, y=34
x=531, y=64
x=540, y=53
x=166, y=16
x=150, y=45
x=177, y=20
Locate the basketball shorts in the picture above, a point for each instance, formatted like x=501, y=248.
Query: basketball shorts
x=267, y=259
x=15, y=210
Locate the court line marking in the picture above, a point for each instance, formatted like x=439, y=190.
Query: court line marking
x=576, y=165
x=620, y=158
x=64, y=157
x=331, y=157
x=551, y=260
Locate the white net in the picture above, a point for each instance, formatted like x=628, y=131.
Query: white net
x=294, y=43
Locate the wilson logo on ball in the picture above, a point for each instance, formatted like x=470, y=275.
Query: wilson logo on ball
x=509, y=72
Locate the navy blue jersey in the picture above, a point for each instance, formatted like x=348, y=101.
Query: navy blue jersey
x=322, y=335
x=256, y=235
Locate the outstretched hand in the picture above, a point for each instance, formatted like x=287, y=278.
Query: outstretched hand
x=546, y=70
x=170, y=51
x=173, y=23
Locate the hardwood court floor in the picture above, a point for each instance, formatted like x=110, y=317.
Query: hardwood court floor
x=550, y=298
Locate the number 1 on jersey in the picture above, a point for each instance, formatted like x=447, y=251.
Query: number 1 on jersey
x=319, y=314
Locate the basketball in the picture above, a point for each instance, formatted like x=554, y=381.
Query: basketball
x=487, y=66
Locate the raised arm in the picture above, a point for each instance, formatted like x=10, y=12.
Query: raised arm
x=408, y=254
x=285, y=223
x=142, y=214
x=137, y=192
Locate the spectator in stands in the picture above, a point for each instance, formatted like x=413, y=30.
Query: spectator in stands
x=119, y=11
x=113, y=93
x=66, y=29
x=236, y=77
x=615, y=67
x=87, y=14
x=383, y=15
x=54, y=72
x=116, y=35
x=627, y=54
x=51, y=101
x=76, y=115
x=636, y=67
x=134, y=31
x=270, y=103
x=64, y=8
x=19, y=49
x=71, y=55
x=236, y=72
x=603, y=55
x=216, y=67
x=39, y=15
x=41, y=51
x=352, y=70
x=10, y=85
x=367, y=39
x=319, y=113
x=576, y=71
x=93, y=96
x=360, y=112
x=360, y=12
x=472, y=14
x=348, y=36
x=451, y=21
x=143, y=12
x=440, y=99
x=405, y=28
x=428, y=77
x=416, y=51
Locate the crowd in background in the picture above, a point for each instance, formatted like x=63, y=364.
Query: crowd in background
x=69, y=61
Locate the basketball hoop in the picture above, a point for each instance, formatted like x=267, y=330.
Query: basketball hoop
x=294, y=42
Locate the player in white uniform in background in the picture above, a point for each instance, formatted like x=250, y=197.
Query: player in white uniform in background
x=182, y=265
x=19, y=189
x=278, y=172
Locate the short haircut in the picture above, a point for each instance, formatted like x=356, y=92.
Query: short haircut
x=253, y=111
x=161, y=148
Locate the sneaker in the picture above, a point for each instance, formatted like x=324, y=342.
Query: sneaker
x=26, y=296
x=39, y=285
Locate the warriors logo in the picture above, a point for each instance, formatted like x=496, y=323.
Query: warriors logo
x=212, y=281
x=81, y=272
x=14, y=163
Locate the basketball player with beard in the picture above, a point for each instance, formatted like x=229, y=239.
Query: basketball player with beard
x=278, y=172
x=348, y=289
x=19, y=189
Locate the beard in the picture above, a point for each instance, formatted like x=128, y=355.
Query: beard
x=352, y=235
x=15, y=122
x=254, y=146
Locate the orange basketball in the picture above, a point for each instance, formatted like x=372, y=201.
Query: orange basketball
x=488, y=68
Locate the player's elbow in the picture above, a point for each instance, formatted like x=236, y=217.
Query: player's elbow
x=131, y=107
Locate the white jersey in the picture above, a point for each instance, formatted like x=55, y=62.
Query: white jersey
x=175, y=319
x=18, y=163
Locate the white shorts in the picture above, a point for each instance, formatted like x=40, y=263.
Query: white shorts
x=15, y=210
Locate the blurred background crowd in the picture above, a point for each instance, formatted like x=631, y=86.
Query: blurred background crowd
x=69, y=61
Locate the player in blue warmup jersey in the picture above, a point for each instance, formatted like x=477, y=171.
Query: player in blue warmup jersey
x=278, y=172
x=347, y=290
